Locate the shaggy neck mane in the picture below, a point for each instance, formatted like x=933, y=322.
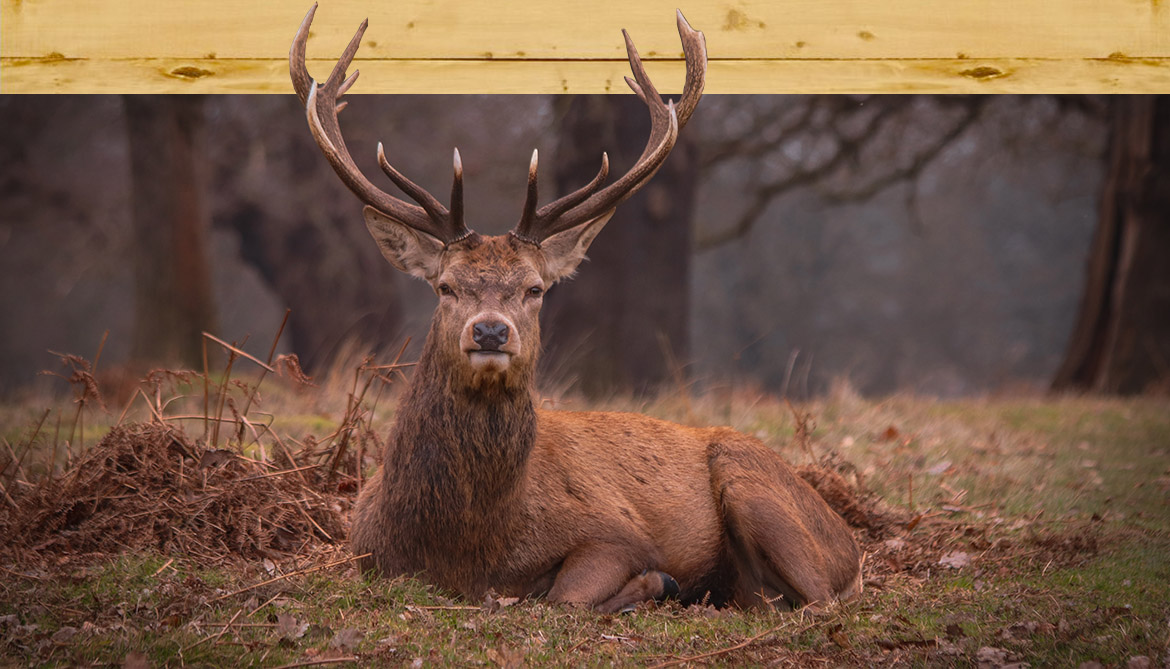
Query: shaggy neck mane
x=455, y=464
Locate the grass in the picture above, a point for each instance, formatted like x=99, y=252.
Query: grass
x=1059, y=507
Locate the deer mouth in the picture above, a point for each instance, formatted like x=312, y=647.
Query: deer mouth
x=489, y=361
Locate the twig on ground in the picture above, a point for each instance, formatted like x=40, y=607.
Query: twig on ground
x=290, y=575
x=266, y=603
x=165, y=565
x=731, y=649
x=30, y=577
x=213, y=637
x=313, y=663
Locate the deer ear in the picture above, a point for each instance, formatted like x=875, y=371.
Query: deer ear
x=409, y=250
x=565, y=250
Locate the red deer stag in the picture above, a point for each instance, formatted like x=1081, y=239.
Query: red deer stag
x=480, y=490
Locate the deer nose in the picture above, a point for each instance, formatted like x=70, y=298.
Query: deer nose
x=490, y=335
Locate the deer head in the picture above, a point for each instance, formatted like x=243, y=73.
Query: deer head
x=486, y=327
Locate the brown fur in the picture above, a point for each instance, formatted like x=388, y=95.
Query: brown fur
x=480, y=490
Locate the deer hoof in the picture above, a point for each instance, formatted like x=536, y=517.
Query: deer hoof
x=669, y=586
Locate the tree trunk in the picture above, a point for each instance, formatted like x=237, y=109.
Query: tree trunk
x=173, y=298
x=301, y=229
x=623, y=324
x=1121, y=342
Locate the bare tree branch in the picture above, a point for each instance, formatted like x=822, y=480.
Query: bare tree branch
x=848, y=157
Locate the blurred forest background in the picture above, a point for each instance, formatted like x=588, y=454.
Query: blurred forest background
x=941, y=245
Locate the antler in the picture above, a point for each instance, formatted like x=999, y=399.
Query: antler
x=322, y=108
x=666, y=119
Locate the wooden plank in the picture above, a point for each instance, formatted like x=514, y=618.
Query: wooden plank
x=455, y=29
x=725, y=76
x=542, y=43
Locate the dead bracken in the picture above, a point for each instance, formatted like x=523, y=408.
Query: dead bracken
x=147, y=486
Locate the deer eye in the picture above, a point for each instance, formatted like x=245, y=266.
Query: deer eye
x=444, y=289
x=535, y=291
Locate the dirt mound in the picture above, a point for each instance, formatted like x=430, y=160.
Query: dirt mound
x=147, y=485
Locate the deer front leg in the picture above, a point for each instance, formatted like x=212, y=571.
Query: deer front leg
x=609, y=579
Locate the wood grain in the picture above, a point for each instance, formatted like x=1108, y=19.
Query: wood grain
x=510, y=46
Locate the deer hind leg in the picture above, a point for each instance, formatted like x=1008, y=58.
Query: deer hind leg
x=609, y=579
x=788, y=547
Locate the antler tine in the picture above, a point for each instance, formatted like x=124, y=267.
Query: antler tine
x=348, y=83
x=337, y=78
x=524, y=229
x=666, y=119
x=322, y=108
x=296, y=57
x=645, y=86
x=619, y=191
x=417, y=193
x=457, y=226
x=528, y=215
x=695, y=53
x=555, y=209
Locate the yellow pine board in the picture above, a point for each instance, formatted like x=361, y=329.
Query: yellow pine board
x=527, y=29
x=734, y=76
x=505, y=46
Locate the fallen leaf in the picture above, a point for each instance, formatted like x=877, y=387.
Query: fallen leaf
x=1025, y=629
x=955, y=560
x=840, y=639
x=990, y=657
x=506, y=657
x=493, y=603
x=894, y=544
x=64, y=635
x=316, y=631
x=347, y=639
x=288, y=627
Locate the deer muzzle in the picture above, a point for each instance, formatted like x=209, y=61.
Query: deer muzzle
x=490, y=340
